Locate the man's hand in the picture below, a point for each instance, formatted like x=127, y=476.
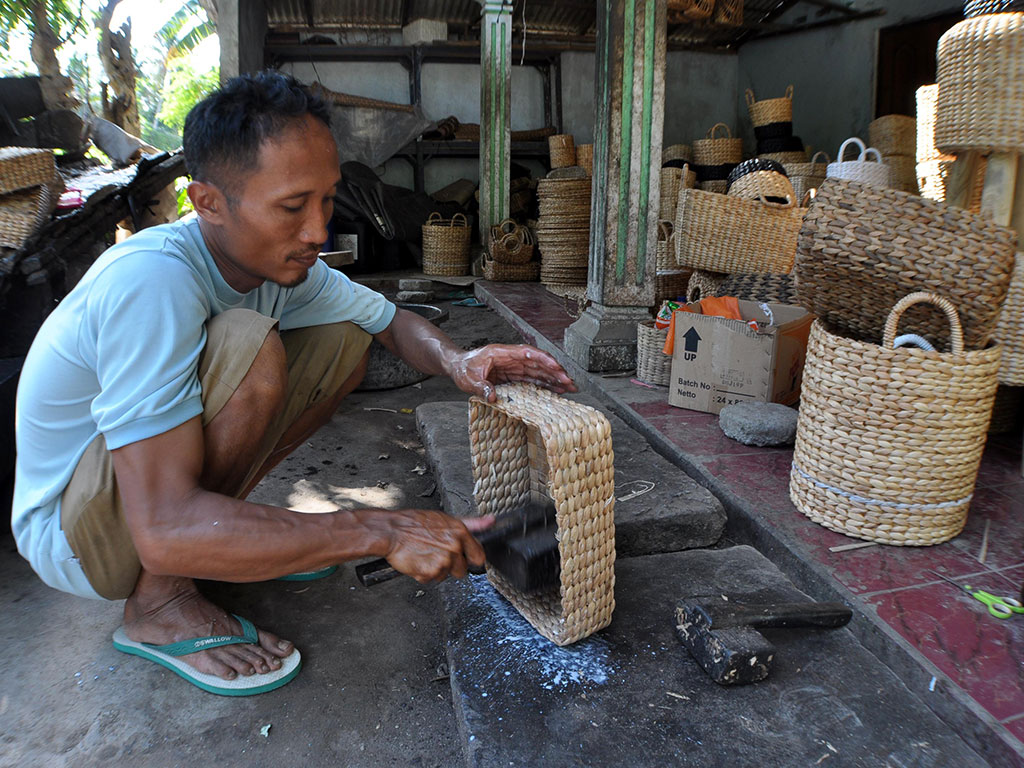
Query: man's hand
x=430, y=546
x=479, y=370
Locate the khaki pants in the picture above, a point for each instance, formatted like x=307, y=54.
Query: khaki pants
x=320, y=359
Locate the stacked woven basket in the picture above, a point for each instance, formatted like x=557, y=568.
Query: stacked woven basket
x=29, y=191
x=510, y=254
x=773, y=128
x=563, y=232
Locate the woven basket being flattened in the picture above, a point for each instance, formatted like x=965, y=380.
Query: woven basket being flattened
x=532, y=444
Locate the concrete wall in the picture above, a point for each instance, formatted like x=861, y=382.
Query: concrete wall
x=699, y=92
x=832, y=71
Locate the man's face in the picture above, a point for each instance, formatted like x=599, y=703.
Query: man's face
x=276, y=219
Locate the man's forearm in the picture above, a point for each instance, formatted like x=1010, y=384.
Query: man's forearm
x=420, y=343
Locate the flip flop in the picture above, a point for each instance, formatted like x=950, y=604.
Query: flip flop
x=309, y=575
x=167, y=656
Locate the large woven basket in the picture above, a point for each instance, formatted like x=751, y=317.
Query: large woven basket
x=768, y=111
x=980, y=65
x=893, y=135
x=24, y=167
x=862, y=248
x=974, y=8
x=767, y=184
x=1010, y=330
x=773, y=288
x=925, y=149
x=446, y=245
x=717, y=150
x=672, y=180
x=867, y=167
x=534, y=445
x=562, y=150
x=723, y=233
x=889, y=440
x=677, y=155
x=652, y=364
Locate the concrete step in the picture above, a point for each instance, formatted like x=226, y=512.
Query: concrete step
x=674, y=514
x=632, y=695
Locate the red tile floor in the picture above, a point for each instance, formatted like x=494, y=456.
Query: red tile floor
x=982, y=654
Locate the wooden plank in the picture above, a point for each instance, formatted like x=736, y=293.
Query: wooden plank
x=961, y=179
x=1000, y=184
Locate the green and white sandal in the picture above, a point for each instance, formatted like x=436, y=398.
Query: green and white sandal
x=168, y=656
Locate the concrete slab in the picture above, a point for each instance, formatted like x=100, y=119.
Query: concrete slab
x=658, y=508
x=631, y=695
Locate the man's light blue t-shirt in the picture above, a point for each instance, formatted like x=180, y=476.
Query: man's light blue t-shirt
x=119, y=357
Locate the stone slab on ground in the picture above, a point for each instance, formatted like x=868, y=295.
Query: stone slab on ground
x=674, y=514
x=631, y=695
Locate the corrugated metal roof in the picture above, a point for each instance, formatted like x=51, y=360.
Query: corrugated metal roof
x=565, y=19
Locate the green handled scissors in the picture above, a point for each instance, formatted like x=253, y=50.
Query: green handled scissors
x=1000, y=607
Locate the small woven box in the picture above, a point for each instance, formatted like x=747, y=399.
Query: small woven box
x=534, y=445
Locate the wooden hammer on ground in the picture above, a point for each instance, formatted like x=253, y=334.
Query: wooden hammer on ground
x=721, y=634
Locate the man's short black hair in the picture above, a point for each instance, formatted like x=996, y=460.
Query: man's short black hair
x=223, y=132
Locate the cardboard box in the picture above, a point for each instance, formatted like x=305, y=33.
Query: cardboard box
x=717, y=362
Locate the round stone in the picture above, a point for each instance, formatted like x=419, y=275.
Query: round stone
x=761, y=424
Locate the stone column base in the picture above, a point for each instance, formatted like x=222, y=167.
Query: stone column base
x=604, y=338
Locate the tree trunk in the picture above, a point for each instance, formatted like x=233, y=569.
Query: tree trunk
x=115, y=51
x=53, y=84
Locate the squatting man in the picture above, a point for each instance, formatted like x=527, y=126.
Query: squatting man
x=187, y=363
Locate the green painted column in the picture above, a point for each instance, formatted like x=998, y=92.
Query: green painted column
x=629, y=111
x=495, y=106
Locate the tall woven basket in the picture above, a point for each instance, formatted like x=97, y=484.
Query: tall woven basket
x=889, y=440
x=653, y=366
x=534, y=445
x=446, y=245
x=722, y=233
x=562, y=150
x=980, y=71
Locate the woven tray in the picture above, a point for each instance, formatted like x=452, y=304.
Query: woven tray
x=862, y=248
x=446, y=245
x=980, y=65
x=1010, y=330
x=889, y=440
x=22, y=167
x=723, y=233
x=532, y=444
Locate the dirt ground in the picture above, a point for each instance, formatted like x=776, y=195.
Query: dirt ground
x=373, y=690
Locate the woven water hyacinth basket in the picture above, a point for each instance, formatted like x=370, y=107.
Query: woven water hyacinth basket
x=511, y=243
x=653, y=366
x=925, y=149
x=893, y=135
x=1010, y=330
x=534, y=445
x=704, y=283
x=786, y=158
x=562, y=150
x=931, y=179
x=446, y=245
x=585, y=157
x=770, y=185
x=677, y=155
x=768, y=111
x=671, y=284
x=24, y=167
x=716, y=186
x=23, y=212
x=974, y=8
x=691, y=10
x=722, y=233
x=511, y=273
x=672, y=180
x=902, y=172
x=717, y=150
x=861, y=248
x=867, y=167
x=980, y=65
x=889, y=440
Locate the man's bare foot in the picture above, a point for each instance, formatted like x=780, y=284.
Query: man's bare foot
x=168, y=609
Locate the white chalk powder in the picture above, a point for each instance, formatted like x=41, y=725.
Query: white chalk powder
x=521, y=649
